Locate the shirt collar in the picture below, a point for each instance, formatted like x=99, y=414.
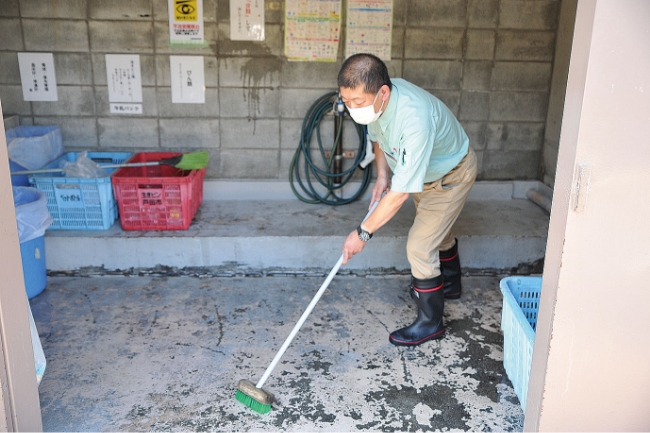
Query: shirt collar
x=389, y=113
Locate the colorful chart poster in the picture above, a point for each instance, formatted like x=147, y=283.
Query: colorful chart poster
x=312, y=30
x=247, y=20
x=186, y=22
x=37, y=76
x=369, y=29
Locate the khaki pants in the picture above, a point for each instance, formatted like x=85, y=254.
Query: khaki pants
x=437, y=208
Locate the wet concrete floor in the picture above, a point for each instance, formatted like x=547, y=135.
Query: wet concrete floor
x=166, y=353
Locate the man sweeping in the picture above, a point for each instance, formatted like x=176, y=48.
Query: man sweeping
x=419, y=140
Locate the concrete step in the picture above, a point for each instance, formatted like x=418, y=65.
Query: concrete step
x=494, y=231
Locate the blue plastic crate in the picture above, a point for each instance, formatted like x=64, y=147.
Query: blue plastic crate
x=518, y=321
x=80, y=203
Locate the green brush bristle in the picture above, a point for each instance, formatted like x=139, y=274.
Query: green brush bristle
x=252, y=403
x=193, y=161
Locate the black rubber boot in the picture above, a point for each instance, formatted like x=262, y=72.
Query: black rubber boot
x=450, y=269
x=430, y=300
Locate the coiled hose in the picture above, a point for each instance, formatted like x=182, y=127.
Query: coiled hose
x=318, y=184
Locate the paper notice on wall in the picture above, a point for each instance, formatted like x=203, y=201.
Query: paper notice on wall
x=186, y=22
x=312, y=30
x=123, y=78
x=188, y=82
x=247, y=20
x=37, y=76
x=369, y=28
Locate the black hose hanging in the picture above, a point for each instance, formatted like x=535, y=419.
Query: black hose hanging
x=303, y=163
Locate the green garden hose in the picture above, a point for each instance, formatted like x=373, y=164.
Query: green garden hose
x=317, y=184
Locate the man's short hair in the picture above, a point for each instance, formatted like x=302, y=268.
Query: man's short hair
x=365, y=70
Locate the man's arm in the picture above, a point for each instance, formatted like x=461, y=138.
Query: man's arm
x=388, y=206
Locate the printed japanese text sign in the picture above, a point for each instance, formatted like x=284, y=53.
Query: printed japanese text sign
x=247, y=20
x=123, y=78
x=186, y=21
x=188, y=81
x=369, y=28
x=312, y=30
x=37, y=76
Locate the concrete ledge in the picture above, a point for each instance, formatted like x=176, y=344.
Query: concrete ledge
x=499, y=234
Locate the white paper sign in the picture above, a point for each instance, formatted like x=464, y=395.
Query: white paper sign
x=247, y=20
x=37, y=76
x=123, y=77
x=126, y=108
x=185, y=21
x=188, y=82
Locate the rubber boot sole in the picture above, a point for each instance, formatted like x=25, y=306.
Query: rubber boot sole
x=434, y=336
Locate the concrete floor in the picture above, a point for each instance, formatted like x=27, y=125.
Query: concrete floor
x=165, y=354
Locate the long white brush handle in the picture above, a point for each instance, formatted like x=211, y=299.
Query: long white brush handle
x=306, y=314
x=59, y=170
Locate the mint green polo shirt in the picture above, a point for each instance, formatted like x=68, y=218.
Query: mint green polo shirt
x=420, y=137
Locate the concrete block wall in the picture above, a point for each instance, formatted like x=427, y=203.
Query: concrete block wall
x=490, y=61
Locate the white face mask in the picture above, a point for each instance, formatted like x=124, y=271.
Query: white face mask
x=366, y=115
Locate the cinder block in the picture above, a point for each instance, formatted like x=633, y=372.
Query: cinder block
x=75, y=69
x=429, y=44
x=549, y=162
x=434, y=74
x=189, y=133
x=121, y=36
x=477, y=75
x=250, y=71
x=55, y=35
x=394, y=68
x=480, y=44
x=294, y=103
x=72, y=9
x=449, y=13
x=310, y=75
x=520, y=45
x=397, y=42
x=79, y=132
x=518, y=106
x=529, y=15
x=274, y=12
x=250, y=134
x=148, y=69
x=120, y=10
x=474, y=106
x=515, y=136
x=521, y=76
x=249, y=164
x=162, y=71
x=476, y=133
x=126, y=133
x=167, y=109
x=163, y=47
x=11, y=26
x=149, y=103
x=10, y=8
x=399, y=11
x=483, y=13
x=73, y=101
x=12, y=101
x=290, y=131
x=450, y=98
x=271, y=45
x=479, y=162
x=251, y=102
x=10, y=71
x=513, y=165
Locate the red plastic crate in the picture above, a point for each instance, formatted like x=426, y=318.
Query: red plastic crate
x=157, y=197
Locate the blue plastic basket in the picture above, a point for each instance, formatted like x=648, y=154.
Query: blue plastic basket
x=518, y=321
x=80, y=203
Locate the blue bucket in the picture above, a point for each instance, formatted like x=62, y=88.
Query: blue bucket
x=32, y=254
